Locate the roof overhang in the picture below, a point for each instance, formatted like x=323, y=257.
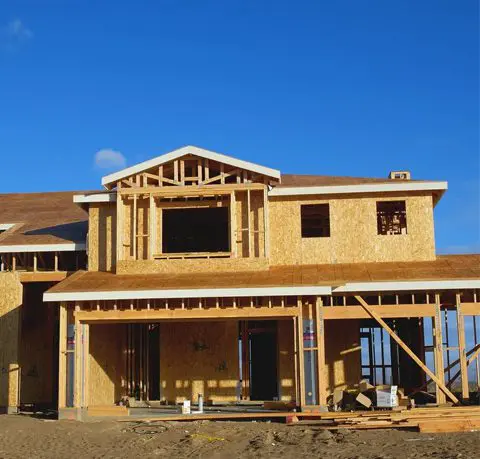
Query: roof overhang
x=361, y=188
x=187, y=293
x=109, y=181
x=399, y=286
x=66, y=247
x=92, y=198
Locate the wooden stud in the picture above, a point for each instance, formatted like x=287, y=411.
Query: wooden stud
x=153, y=227
x=249, y=239
x=400, y=342
x=160, y=175
x=182, y=172
x=320, y=327
x=233, y=225
x=461, y=350
x=438, y=350
x=120, y=226
x=301, y=361
x=62, y=357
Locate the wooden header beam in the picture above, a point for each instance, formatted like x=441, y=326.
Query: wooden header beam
x=195, y=190
x=153, y=315
x=386, y=311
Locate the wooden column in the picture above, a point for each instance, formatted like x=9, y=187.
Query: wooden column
x=249, y=239
x=301, y=356
x=134, y=227
x=120, y=224
x=320, y=326
x=62, y=357
x=438, y=350
x=152, y=236
x=461, y=349
x=266, y=232
x=233, y=225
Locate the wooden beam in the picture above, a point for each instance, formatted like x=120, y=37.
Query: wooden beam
x=249, y=239
x=385, y=311
x=266, y=232
x=470, y=309
x=192, y=191
x=120, y=227
x=320, y=328
x=141, y=315
x=43, y=276
x=233, y=225
x=301, y=357
x=400, y=342
x=134, y=226
x=153, y=227
x=461, y=349
x=438, y=350
x=62, y=357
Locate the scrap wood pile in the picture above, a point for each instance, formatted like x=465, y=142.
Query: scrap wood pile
x=427, y=420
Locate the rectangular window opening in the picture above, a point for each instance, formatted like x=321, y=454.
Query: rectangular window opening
x=195, y=230
x=315, y=220
x=391, y=217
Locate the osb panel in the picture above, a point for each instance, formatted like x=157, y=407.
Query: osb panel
x=286, y=359
x=199, y=358
x=191, y=265
x=37, y=346
x=107, y=364
x=10, y=301
x=342, y=354
x=102, y=235
x=353, y=232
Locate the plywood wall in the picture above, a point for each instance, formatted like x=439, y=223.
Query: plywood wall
x=199, y=357
x=102, y=235
x=342, y=354
x=286, y=360
x=10, y=309
x=353, y=228
x=107, y=364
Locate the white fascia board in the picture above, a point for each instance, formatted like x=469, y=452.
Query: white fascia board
x=187, y=293
x=68, y=247
x=207, y=154
x=362, y=188
x=397, y=286
x=100, y=197
x=6, y=226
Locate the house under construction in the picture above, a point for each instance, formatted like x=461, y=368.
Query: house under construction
x=198, y=273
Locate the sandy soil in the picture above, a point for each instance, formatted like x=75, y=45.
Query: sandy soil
x=26, y=437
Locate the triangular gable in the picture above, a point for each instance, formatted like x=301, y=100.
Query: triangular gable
x=111, y=180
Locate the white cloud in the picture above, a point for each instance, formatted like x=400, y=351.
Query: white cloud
x=109, y=159
x=16, y=32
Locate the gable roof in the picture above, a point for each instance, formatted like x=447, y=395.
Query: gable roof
x=111, y=179
x=45, y=221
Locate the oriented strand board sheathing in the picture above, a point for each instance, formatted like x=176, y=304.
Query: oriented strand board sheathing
x=199, y=358
x=353, y=229
x=286, y=358
x=201, y=265
x=107, y=364
x=102, y=235
x=342, y=354
x=10, y=301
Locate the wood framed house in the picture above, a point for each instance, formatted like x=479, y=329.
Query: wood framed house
x=198, y=273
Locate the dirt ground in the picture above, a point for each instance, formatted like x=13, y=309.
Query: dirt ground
x=25, y=437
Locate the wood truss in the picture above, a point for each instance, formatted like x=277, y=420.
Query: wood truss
x=192, y=170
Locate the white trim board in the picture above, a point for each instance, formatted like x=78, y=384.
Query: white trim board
x=361, y=188
x=397, y=286
x=187, y=293
x=68, y=247
x=6, y=226
x=175, y=154
x=98, y=197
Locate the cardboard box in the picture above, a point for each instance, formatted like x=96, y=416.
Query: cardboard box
x=387, y=398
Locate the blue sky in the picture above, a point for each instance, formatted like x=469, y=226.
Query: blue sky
x=342, y=88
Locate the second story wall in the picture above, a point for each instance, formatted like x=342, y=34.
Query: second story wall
x=353, y=231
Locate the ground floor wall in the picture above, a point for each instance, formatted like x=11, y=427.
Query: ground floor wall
x=11, y=293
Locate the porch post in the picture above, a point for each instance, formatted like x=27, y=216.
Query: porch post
x=438, y=350
x=300, y=353
x=62, y=357
x=320, y=326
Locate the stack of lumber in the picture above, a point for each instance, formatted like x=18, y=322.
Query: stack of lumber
x=427, y=420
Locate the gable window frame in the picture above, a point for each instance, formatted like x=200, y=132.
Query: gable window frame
x=315, y=220
x=392, y=218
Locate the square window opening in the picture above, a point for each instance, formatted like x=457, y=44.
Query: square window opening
x=391, y=217
x=195, y=230
x=315, y=220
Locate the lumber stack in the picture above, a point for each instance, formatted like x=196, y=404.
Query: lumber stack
x=427, y=420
